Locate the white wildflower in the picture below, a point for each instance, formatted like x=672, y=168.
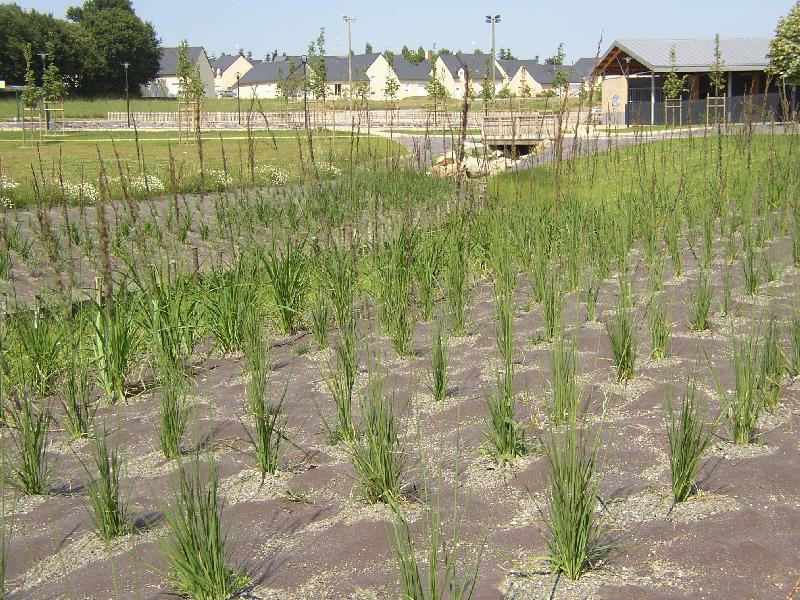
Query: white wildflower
x=272, y=175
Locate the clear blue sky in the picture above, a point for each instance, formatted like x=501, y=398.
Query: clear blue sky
x=528, y=27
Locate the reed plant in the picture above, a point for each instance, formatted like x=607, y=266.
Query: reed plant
x=30, y=470
x=106, y=501
x=689, y=435
x=228, y=295
x=659, y=329
x=375, y=450
x=39, y=337
x=592, y=292
x=622, y=335
x=742, y=409
x=113, y=344
x=268, y=418
x=428, y=257
x=456, y=288
x=794, y=334
x=751, y=279
x=286, y=269
x=395, y=281
x=438, y=380
x=699, y=300
x=341, y=381
x=565, y=394
x=552, y=309
x=442, y=574
x=76, y=397
x=772, y=366
x=197, y=549
x=576, y=536
x=173, y=417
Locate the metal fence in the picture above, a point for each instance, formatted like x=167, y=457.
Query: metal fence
x=317, y=119
x=757, y=108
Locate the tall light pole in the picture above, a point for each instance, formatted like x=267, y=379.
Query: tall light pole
x=46, y=113
x=349, y=20
x=493, y=20
x=238, y=97
x=304, y=60
x=127, y=94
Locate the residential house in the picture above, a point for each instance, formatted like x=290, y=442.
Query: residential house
x=226, y=68
x=633, y=72
x=264, y=79
x=452, y=70
x=368, y=70
x=581, y=75
x=412, y=78
x=166, y=84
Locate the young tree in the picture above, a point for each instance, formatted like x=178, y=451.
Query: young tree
x=317, y=78
x=391, y=88
x=487, y=86
x=437, y=92
x=53, y=87
x=367, y=48
x=558, y=58
x=784, y=51
x=190, y=85
x=288, y=86
x=30, y=94
x=674, y=84
x=525, y=88
x=717, y=73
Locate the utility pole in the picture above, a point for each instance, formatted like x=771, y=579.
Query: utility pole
x=239, y=98
x=304, y=60
x=44, y=101
x=127, y=94
x=493, y=20
x=349, y=20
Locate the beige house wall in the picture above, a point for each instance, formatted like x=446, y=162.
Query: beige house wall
x=228, y=80
x=517, y=82
x=262, y=90
x=611, y=87
x=377, y=72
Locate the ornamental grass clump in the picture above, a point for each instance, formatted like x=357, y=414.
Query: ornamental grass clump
x=286, y=269
x=113, y=342
x=699, y=301
x=552, y=309
x=76, y=397
x=31, y=469
x=659, y=329
x=268, y=418
x=444, y=573
x=375, y=449
x=456, y=292
x=108, y=507
x=228, y=295
x=772, y=366
x=621, y=334
x=438, y=380
x=689, y=435
x=173, y=417
x=197, y=550
x=576, y=535
x=566, y=397
x=395, y=263
x=743, y=408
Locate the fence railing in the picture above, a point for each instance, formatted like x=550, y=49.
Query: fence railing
x=520, y=128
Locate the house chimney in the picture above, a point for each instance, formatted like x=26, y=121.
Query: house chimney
x=430, y=55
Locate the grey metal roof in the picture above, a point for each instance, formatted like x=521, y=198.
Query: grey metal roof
x=169, y=59
x=582, y=69
x=408, y=71
x=475, y=63
x=697, y=55
x=270, y=72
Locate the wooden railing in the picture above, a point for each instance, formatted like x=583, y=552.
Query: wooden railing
x=520, y=128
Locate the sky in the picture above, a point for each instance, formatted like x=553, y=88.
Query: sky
x=527, y=27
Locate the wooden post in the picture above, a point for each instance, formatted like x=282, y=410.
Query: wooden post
x=652, y=98
x=196, y=263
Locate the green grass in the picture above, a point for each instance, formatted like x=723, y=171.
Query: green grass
x=438, y=378
x=74, y=157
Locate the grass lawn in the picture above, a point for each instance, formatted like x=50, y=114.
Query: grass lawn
x=277, y=159
x=686, y=166
x=99, y=108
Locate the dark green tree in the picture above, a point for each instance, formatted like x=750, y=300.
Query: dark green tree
x=116, y=35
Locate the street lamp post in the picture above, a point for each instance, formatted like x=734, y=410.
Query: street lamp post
x=238, y=97
x=304, y=60
x=349, y=20
x=46, y=113
x=127, y=93
x=493, y=20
